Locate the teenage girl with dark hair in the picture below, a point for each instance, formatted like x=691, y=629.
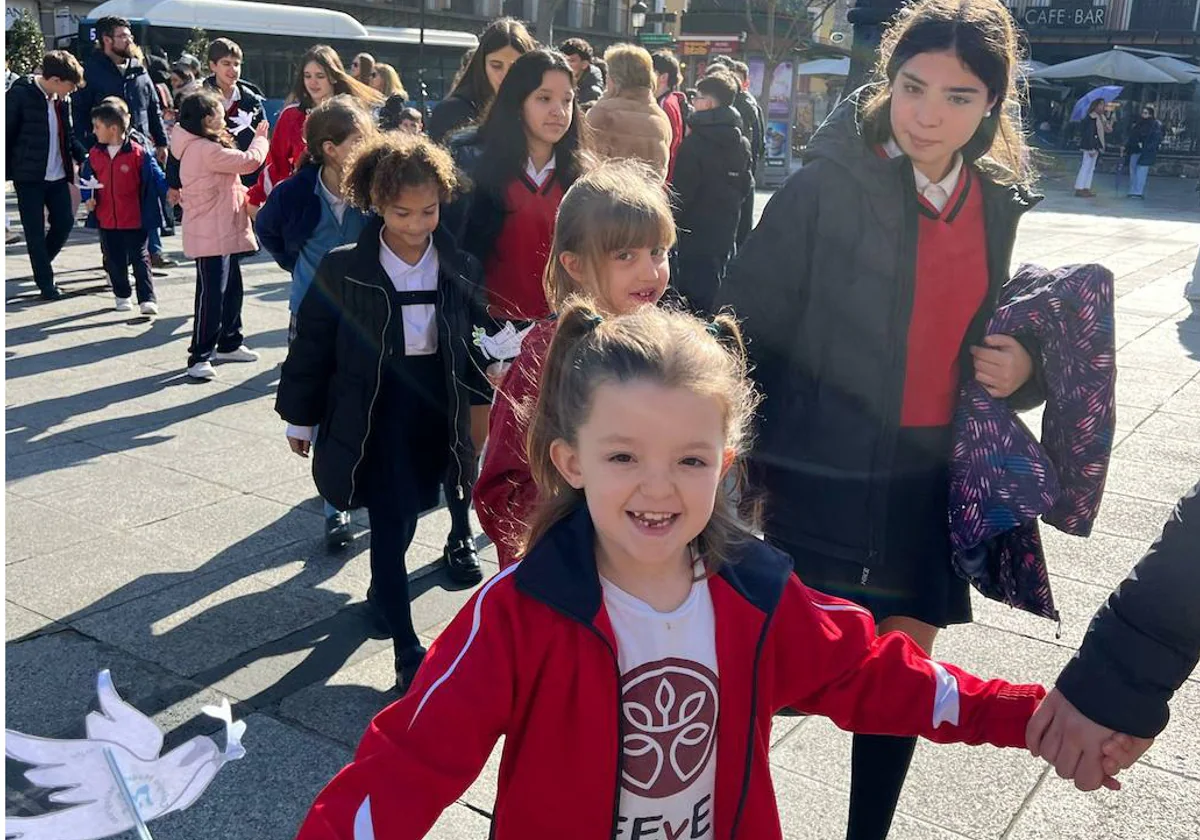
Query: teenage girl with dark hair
x=865, y=291
x=383, y=361
x=521, y=160
x=503, y=42
x=321, y=76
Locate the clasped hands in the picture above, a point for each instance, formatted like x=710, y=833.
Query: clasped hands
x=1079, y=748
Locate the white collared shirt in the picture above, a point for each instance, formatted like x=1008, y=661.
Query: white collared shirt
x=936, y=193
x=420, y=323
x=336, y=203
x=55, y=169
x=539, y=176
x=233, y=97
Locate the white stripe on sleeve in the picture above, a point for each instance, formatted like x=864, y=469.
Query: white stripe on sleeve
x=363, y=829
x=945, y=701
x=476, y=620
x=841, y=607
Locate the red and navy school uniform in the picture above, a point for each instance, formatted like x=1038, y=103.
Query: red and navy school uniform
x=516, y=265
x=533, y=656
x=127, y=209
x=951, y=285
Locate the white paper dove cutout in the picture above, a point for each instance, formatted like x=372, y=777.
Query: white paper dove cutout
x=90, y=183
x=115, y=779
x=504, y=345
x=241, y=121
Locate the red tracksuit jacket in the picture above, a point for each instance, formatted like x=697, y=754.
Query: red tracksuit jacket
x=287, y=149
x=504, y=493
x=119, y=204
x=532, y=656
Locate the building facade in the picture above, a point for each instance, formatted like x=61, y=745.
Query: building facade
x=1060, y=30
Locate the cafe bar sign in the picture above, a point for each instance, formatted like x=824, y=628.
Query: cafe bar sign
x=1063, y=14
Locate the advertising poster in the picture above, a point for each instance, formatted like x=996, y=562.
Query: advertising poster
x=777, y=110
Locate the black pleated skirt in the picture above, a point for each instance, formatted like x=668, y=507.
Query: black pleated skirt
x=917, y=579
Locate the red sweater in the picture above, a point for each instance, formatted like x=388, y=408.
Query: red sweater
x=287, y=149
x=513, y=271
x=951, y=283
x=674, y=111
x=504, y=493
x=533, y=657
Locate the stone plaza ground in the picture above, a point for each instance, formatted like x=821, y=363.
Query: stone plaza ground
x=160, y=528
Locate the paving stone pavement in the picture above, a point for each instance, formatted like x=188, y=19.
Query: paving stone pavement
x=160, y=528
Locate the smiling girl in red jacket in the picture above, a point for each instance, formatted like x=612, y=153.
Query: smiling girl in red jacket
x=611, y=240
x=634, y=659
x=321, y=77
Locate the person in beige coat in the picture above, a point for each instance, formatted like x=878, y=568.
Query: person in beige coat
x=627, y=122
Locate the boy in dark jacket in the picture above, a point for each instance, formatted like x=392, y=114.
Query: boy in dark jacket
x=243, y=101
x=40, y=153
x=122, y=187
x=712, y=179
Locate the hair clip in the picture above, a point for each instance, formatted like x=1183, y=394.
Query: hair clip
x=594, y=320
x=714, y=329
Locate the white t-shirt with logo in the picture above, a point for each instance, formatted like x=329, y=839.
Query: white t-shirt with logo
x=669, y=712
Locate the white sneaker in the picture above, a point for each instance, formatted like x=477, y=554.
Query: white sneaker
x=149, y=308
x=202, y=370
x=124, y=305
x=242, y=354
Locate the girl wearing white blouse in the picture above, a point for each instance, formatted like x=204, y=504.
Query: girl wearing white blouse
x=383, y=361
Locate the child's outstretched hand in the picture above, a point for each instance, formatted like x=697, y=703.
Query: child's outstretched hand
x=1073, y=743
x=90, y=204
x=262, y=129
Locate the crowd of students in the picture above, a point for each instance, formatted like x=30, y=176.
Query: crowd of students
x=557, y=288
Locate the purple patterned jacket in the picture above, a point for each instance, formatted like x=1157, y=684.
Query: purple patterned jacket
x=1001, y=478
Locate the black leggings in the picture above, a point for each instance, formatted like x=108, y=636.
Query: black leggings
x=878, y=767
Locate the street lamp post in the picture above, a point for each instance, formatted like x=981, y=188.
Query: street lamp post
x=869, y=18
x=421, y=60
x=637, y=17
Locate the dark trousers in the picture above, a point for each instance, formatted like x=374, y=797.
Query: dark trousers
x=218, y=310
x=459, y=509
x=699, y=280
x=746, y=222
x=392, y=532
x=123, y=248
x=33, y=200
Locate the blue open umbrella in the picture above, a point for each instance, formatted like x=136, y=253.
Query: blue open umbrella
x=1108, y=93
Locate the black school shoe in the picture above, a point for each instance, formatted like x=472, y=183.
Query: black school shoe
x=462, y=563
x=407, y=664
x=52, y=293
x=337, y=531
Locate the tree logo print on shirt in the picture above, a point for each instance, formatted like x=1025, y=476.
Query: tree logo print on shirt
x=668, y=726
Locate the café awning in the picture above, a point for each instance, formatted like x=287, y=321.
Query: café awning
x=1118, y=65
x=1183, y=72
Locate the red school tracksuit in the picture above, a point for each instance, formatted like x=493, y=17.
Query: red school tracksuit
x=126, y=210
x=286, y=151
x=504, y=493
x=533, y=657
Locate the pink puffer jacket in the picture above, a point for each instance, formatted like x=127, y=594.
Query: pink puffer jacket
x=214, y=200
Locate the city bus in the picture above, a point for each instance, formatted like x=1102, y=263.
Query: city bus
x=273, y=38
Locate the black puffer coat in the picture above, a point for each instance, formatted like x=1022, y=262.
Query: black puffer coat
x=824, y=286
x=335, y=365
x=712, y=178
x=27, y=134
